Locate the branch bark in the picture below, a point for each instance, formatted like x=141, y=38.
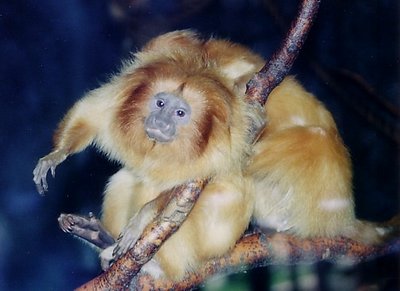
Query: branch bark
x=330, y=78
x=280, y=64
x=121, y=273
x=260, y=249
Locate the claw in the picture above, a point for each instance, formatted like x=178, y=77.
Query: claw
x=107, y=258
x=116, y=251
x=45, y=164
x=124, y=243
x=44, y=184
x=66, y=223
x=40, y=189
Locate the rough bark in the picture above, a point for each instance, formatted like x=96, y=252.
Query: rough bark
x=260, y=249
x=280, y=64
x=121, y=273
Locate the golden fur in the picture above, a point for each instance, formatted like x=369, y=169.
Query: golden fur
x=301, y=163
x=296, y=178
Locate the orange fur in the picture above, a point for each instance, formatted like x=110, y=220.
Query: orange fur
x=296, y=178
x=301, y=170
x=213, y=145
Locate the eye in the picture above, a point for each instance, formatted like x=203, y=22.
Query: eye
x=160, y=103
x=180, y=113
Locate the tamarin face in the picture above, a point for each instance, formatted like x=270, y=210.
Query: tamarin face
x=180, y=111
x=167, y=112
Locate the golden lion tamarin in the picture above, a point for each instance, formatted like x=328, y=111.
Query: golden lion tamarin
x=175, y=112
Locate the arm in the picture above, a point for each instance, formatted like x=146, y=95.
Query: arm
x=135, y=228
x=82, y=124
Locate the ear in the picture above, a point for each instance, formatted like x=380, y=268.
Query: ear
x=239, y=71
x=236, y=62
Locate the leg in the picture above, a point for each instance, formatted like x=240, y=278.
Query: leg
x=124, y=196
x=134, y=229
x=217, y=221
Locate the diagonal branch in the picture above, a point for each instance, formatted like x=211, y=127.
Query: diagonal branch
x=330, y=79
x=280, y=64
x=124, y=269
x=121, y=273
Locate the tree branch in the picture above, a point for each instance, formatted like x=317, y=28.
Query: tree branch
x=330, y=79
x=124, y=269
x=260, y=249
x=280, y=64
x=121, y=273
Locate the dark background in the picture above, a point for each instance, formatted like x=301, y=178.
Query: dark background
x=52, y=52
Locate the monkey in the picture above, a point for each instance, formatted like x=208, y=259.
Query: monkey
x=174, y=113
x=302, y=172
x=177, y=111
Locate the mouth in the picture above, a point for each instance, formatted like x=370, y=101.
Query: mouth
x=158, y=136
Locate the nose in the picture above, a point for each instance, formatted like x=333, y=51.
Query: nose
x=162, y=124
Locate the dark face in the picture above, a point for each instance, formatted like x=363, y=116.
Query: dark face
x=167, y=113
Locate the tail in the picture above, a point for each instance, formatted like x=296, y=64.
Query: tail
x=375, y=233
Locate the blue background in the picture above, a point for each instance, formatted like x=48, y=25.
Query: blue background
x=52, y=52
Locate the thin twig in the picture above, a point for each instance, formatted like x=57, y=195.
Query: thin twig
x=370, y=91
